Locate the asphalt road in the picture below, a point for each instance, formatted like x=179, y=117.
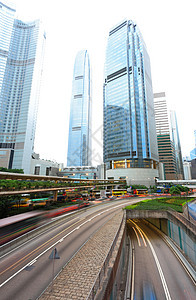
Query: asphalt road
x=25, y=272
x=28, y=270
x=157, y=272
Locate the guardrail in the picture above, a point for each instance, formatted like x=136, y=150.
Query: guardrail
x=182, y=219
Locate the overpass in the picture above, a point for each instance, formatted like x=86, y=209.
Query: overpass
x=16, y=183
x=189, y=183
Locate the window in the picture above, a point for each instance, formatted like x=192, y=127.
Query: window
x=37, y=170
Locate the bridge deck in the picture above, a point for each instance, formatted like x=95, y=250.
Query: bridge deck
x=77, y=278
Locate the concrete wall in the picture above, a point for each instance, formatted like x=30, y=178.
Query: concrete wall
x=181, y=238
x=44, y=164
x=178, y=230
x=135, y=175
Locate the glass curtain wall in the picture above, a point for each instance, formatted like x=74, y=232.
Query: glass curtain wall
x=79, y=144
x=20, y=91
x=129, y=124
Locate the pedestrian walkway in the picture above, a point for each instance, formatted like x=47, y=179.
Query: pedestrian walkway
x=76, y=280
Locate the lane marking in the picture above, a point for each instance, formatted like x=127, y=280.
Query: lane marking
x=142, y=237
x=164, y=284
x=38, y=248
x=133, y=275
x=35, y=237
x=42, y=253
x=32, y=262
x=140, y=233
x=138, y=239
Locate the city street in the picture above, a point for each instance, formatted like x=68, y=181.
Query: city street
x=157, y=272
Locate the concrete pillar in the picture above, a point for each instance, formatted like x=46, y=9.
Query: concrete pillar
x=55, y=195
x=125, y=163
x=112, y=164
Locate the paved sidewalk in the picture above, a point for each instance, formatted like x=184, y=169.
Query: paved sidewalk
x=77, y=278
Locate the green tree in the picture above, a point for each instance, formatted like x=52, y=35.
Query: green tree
x=6, y=203
x=21, y=171
x=174, y=190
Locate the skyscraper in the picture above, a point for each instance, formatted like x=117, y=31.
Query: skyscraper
x=177, y=147
x=79, y=145
x=193, y=152
x=7, y=14
x=20, y=93
x=130, y=141
x=165, y=144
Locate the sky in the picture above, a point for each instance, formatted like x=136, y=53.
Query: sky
x=168, y=29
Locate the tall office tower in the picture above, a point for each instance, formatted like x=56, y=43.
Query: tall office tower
x=165, y=144
x=79, y=145
x=193, y=160
x=177, y=147
x=20, y=93
x=7, y=14
x=130, y=142
x=193, y=152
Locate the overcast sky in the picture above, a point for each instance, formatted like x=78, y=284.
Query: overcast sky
x=168, y=28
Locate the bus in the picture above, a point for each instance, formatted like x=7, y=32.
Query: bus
x=140, y=192
x=119, y=192
x=39, y=202
x=26, y=201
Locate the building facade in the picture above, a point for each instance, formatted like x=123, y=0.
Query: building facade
x=7, y=14
x=130, y=141
x=20, y=94
x=79, y=144
x=84, y=172
x=165, y=144
x=43, y=166
x=177, y=147
x=187, y=170
x=193, y=152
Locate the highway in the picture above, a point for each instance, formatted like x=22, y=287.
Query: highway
x=157, y=272
x=28, y=270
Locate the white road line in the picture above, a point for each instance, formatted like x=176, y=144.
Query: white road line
x=142, y=236
x=138, y=239
x=133, y=275
x=32, y=262
x=59, y=241
x=167, y=294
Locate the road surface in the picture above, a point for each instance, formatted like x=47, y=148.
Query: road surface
x=28, y=270
x=157, y=272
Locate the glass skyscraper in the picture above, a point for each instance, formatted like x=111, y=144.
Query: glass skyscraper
x=20, y=93
x=79, y=144
x=177, y=147
x=7, y=14
x=165, y=144
x=129, y=125
x=193, y=152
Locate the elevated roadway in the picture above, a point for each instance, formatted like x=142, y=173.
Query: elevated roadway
x=82, y=242
x=27, y=270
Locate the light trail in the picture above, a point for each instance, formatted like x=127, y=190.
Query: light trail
x=138, y=239
x=59, y=241
x=164, y=284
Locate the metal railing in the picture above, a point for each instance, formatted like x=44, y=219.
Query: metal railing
x=182, y=219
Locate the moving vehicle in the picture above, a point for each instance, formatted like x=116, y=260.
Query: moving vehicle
x=119, y=192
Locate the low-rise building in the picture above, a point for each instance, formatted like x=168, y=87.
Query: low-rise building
x=43, y=166
x=84, y=172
